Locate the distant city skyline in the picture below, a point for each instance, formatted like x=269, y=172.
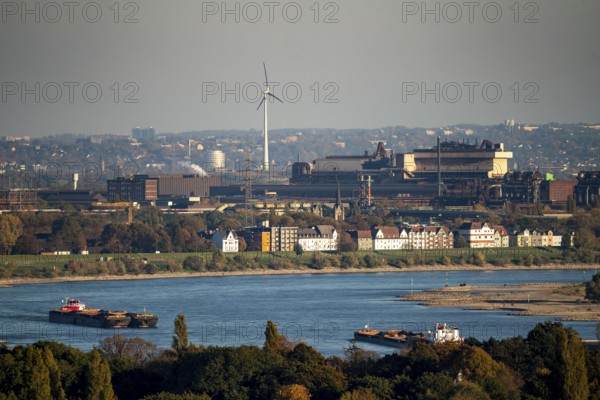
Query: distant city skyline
x=341, y=65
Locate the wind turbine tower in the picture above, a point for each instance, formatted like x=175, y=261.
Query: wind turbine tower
x=266, y=94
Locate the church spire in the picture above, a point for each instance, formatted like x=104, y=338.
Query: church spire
x=338, y=209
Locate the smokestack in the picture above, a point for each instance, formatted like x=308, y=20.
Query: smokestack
x=439, y=167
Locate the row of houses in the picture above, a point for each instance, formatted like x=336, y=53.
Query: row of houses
x=536, y=238
x=416, y=237
x=486, y=234
x=408, y=237
x=327, y=238
x=280, y=238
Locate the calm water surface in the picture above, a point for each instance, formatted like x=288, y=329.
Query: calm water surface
x=322, y=310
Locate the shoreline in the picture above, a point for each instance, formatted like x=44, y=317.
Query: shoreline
x=563, y=301
x=8, y=282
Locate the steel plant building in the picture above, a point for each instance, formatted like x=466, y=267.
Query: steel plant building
x=152, y=187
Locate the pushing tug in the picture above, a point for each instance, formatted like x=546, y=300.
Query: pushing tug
x=74, y=312
x=405, y=339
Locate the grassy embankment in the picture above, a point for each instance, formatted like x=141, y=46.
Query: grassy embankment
x=30, y=266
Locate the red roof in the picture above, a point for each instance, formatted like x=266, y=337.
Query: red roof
x=363, y=234
x=389, y=231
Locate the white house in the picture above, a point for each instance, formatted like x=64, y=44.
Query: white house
x=227, y=241
x=556, y=241
x=479, y=234
x=319, y=238
x=388, y=238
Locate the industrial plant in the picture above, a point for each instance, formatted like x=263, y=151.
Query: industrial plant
x=451, y=173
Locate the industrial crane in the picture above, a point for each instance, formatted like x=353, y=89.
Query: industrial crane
x=119, y=204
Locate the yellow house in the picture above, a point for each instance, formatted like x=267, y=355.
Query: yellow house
x=265, y=242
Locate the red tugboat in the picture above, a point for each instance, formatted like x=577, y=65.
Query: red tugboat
x=66, y=314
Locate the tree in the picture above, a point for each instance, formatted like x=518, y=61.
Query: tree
x=54, y=374
x=151, y=216
x=346, y=242
x=478, y=366
x=359, y=394
x=565, y=242
x=116, y=238
x=242, y=246
x=10, y=230
x=180, y=340
x=585, y=239
x=272, y=339
x=433, y=386
x=135, y=349
x=592, y=288
x=469, y=391
x=560, y=355
x=310, y=368
x=67, y=234
x=98, y=384
x=195, y=263
x=292, y=392
x=461, y=242
x=28, y=244
x=298, y=249
x=143, y=239
x=348, y=261
x=176, y=396
x=372, y=261
x=572, y=371
x=36, y=377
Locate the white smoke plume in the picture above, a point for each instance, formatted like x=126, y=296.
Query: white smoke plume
x=194, y=167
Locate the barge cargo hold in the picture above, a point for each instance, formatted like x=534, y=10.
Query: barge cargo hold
x=142, y=320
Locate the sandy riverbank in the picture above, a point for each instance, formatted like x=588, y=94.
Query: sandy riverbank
x=559, y=300
x=296, y=271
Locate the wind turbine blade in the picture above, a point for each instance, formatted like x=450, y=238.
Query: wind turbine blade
x=261, y=102
x=266, y=79
x=272, y=95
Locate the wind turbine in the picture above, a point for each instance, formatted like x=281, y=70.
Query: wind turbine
x=266, y=94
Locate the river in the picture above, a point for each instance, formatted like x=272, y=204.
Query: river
x=322, y=310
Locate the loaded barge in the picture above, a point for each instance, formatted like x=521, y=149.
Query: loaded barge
x=74, y=312
x=405, y=339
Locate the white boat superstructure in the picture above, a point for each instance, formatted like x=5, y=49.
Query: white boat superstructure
x=444, y=333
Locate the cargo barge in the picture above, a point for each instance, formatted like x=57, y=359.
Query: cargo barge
x=142, y=320
x=74, y=312
x=98, y=318
x=405, y=339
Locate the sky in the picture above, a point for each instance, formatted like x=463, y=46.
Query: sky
x=106, y=67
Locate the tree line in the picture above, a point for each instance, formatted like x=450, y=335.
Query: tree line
x=152, y=231
x=550, y=363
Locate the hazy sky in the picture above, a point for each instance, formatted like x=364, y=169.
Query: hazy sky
x=358, y=64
